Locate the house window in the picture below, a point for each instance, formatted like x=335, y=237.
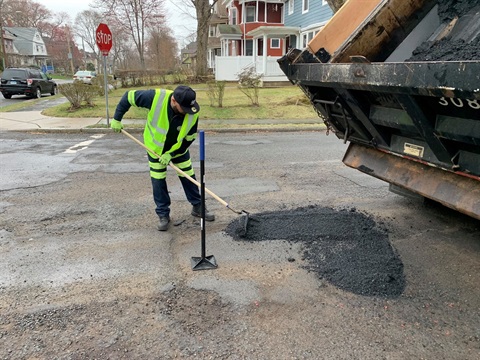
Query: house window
x=275, y=43
x=211, y=31
x=307, y=36
x=250, y=13
x=305, y=6
x=304, y=40
x=249, y=48
x=234, y=16
x=291, y=6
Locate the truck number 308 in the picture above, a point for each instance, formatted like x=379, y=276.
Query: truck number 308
x=474, y=104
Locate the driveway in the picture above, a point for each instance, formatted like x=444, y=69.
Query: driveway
x=44, y=103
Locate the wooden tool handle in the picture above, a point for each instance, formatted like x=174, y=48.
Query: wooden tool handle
x=215, y=196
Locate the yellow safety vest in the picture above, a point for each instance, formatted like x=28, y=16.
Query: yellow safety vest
x=157, y=125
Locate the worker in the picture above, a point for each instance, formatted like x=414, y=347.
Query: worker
x=170, y=129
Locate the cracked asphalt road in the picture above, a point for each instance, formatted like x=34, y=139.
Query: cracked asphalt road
x=85, y=274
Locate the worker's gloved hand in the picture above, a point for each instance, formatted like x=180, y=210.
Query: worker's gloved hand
x=165, y=159
x=116, y=125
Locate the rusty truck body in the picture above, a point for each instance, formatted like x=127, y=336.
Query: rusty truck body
x=414, y=124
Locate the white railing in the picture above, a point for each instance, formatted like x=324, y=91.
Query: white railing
x=227, y=67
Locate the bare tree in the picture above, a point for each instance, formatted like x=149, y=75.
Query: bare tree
x=85, y=26
x=48, y=28
x=59, y=46
x=28, y=13
x=123, y=52
x=204, y=11
x=162, y=49
x=135, y=17
x=24, y=13
x=86, y=23
x=335, y=5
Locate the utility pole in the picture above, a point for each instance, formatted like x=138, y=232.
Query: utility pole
x=84, y=56
x=70, y=54
x=4, y=53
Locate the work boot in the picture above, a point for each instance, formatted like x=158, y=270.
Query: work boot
x=164, y=222
x=197, y=211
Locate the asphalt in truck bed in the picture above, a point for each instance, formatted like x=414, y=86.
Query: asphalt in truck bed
x=461, y=44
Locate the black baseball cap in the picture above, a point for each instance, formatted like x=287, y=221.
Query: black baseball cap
x=186, y=97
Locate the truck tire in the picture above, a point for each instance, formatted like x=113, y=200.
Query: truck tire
x=54, y=91
x=7, y=96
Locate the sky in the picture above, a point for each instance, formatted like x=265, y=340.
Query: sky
x=175, y=18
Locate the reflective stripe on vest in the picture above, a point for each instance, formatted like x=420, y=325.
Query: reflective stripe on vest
x=186, y=126
x=157, y=125
x=131, y=97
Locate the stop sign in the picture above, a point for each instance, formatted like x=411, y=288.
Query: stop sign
x=104, y=38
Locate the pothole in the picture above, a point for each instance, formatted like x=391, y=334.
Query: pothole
x=347, y=248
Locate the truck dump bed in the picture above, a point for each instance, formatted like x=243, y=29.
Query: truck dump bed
x=414, y=124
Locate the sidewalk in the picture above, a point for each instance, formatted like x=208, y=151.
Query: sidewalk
x=34, y=120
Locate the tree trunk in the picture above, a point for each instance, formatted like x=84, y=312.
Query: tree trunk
x=336, y=4
x=203, y=11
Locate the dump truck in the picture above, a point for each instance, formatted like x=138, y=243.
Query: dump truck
x=399, y=80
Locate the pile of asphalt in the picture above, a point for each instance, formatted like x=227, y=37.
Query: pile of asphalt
x=449, y=9
x=461, y=44
x=345, y=247
x=447, y=50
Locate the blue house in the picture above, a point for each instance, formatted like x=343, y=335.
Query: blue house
x=307, y=15
x=260, y=43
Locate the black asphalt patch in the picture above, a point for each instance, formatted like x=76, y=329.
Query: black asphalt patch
x=345, y=247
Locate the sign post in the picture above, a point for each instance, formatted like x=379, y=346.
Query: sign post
x=104, y=39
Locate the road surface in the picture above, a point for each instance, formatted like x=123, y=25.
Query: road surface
x=85, y=273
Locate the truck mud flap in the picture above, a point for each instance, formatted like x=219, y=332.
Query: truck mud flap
x=460, y=193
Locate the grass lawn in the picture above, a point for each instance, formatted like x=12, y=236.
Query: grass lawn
x=287, y=102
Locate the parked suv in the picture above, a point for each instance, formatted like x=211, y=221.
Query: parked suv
x=26, y=81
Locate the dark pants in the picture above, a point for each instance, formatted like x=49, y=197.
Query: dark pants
x=160, y=189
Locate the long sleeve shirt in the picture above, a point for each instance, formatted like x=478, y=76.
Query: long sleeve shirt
x=144, y=99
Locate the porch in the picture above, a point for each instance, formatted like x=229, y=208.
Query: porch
x=227, y=68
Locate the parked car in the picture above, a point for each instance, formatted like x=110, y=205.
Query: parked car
x=26, y=81
x=84, y=76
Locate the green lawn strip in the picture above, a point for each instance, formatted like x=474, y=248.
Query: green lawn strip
x=275, y=103
x=226, y=125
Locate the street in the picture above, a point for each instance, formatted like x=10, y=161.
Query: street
x=85, y=274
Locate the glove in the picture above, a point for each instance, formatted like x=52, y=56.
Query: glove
x=116, y=125
x=165, y=159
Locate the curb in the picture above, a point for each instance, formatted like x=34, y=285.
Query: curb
x=211, y=130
